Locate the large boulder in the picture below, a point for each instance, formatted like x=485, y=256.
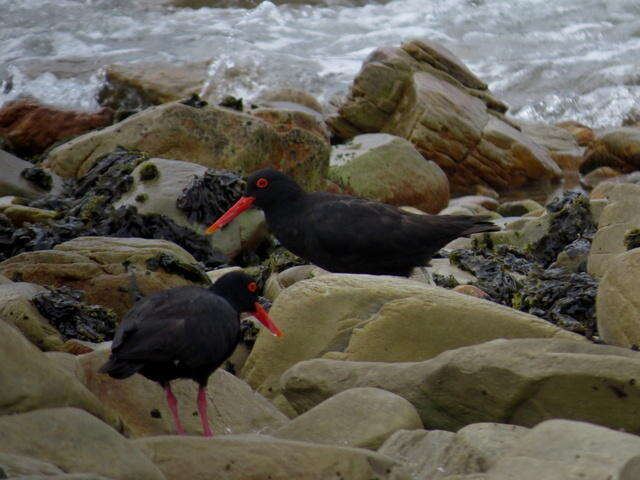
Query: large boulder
x=389, y=169
x=31, y=381
x=18, y=466
x=424, y=93
x=359, y=417
x=243, y=457
x=17, y=308
x=619, y=217
x=379, y=318
x=108, y=269
x=210, y=136
x=75, y=441
x=618, y=148
x=159, y=194
x=22, y=179
x=522, y=382
x=233, y=406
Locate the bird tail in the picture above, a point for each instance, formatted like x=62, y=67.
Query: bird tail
x=480, y=224
x=119, y=368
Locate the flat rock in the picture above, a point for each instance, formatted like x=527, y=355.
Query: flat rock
x=104, y=268
x=359, y=417
x=75, y=442
x=379, y=318
x=389, y=169
x=210, y=136
x=552, y=137
x=12, y=183
x=232, y=406
x=521, y=382
x=242, y=457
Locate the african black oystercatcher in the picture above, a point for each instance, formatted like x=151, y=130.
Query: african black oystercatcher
x=185, y=332
x=346, y=234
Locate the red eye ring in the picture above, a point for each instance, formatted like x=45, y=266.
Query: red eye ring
x=252, y=287
x=262, y=183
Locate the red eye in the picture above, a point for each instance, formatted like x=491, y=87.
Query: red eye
x=262, y=183
x=252, y=287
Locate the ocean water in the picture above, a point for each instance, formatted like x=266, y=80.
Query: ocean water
x=550, y=61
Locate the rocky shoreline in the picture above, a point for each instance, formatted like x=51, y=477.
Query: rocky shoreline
x=520, y=362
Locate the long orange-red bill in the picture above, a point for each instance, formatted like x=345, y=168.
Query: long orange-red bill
x=240, y=206
x=262, y=315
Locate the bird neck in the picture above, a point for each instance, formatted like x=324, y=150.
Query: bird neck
x=229, y=297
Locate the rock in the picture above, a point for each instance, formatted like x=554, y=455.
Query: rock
x=31, y=381
x=359, y=417
x=136, y=86
x=291, y=118
x=172, y=178
x=489, y=203
x=240, y=457
x=443, y=271
x=568, y=160
x=600, y=174
x=21, y=179
x=18, y=465
x=618, y=148
x=553, y=138
x=75, y=441
x=389, y=169
x=70, y=476
x=232, y=406
x=621, y=215
x=110, y=270
x=17, y=308
x=472, y=291
x=519, y=208
x=521, y=382
x=581, y=133
x=378, y=318
x=29, y=128
x=277, y=282
x=21, y=214
x=277, y=97
x=574, y=258
x=616, y=311
x=423, y=93
x=209, y=136
x=219, y=272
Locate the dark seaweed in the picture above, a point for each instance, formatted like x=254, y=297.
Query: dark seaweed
x=232, y=102
x=38, y=177
x=64, y=309
x=170, y=264
x=194, y=101
x=632, y=239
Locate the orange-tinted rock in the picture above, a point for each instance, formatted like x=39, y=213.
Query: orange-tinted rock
x=471, y=290
x=29, y=128
x=598, y=175
x=583, y=134
x=618, y=148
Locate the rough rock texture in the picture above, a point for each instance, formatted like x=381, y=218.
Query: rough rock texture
x=75, y=441
x=378, y=318
x=248, y=457
x=291, y=117
x=522, y=382
x=423, y=93
x=160, y=195
x=389, y=169
x=616, y=304
x=618, y=148
x=210, y=136
x=233, y=406
x=16, y=307
x=359, y=417
x=29, y=128
x=618, y=218
x=109, y=270
x=287, y=96
x=14, y=182
x=31, y=381
x=582, y=134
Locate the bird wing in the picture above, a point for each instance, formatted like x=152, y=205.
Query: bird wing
x=183, y=324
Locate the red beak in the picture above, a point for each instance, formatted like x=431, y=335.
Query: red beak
x=261, y=315
x=240, y=206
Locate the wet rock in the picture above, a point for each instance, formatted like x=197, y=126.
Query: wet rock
x=519, y=208
x=17, y=308
x=210, y=136
x=232, y=406
x=378, y=318
x=520, y=381
x=32, y=381
x=85, y=444
x=423, y=93
x=389, y=169
x=36, y=183
x=581, y=133
x=618, y=148
x=29, y=128
x=237, y=456
x=278, y=97
x=111, y=271
x=359, y=417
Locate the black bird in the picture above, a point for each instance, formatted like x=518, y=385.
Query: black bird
x=185, y=332
x=346, y=234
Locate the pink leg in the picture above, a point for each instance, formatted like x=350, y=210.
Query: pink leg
x=202, y=410
x=172, y=402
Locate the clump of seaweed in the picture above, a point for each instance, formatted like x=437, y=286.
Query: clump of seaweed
x=632, y=239
x=170, y=264
x=64, y=309
x=38, y=177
